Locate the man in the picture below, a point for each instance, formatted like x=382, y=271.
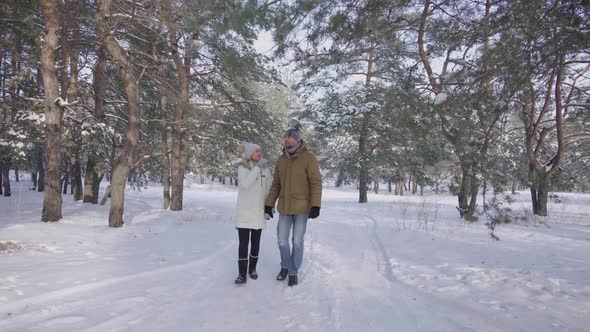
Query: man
x=297, y=184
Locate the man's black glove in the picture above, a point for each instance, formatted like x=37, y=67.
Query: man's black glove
x=268, y=210
x=314, y=212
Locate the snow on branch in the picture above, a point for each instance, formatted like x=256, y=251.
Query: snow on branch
x=120, y=15
x=224, y=104
x=577, y=105
x=63, y=103
x=440, y=98
x=574, y=138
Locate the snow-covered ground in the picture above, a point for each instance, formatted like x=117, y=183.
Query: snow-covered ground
x=394, y=264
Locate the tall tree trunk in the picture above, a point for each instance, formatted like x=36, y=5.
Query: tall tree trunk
x=1, y=178
x=15, y=63
x=165, y=168
x=401, y=182
x=75, y=162
x=76, y=174
x=6, y=178
x=364, y=134
x=34, y=179
x=534, y=200
x=542, y=195
x=121, y=171
x=53, y=114
x=90, y=181
x=539, y=192
x=96, y=188
x=364, y=167
x=91, y=178
x=182, y=104
x=164, y=135
x=339, y=179
x=463, y=193
x=3, y=79
x=178, y=156
x=513, y=184
x=40, y=161
x=66, y=178
x=473, y=191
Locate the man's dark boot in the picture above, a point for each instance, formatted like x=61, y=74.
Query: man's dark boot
x=282, y=274
x=252, y=268
x=242, y=267
x=293, y=280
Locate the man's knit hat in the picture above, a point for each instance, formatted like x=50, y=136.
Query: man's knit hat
x=248, y=149
x=295, y=132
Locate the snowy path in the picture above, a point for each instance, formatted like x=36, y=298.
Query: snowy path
x=401, y=264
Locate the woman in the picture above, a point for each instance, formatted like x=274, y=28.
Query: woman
x=253, y=185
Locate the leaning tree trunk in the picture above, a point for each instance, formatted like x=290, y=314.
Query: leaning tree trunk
x=443, y=112
x=53, y=116
x=121, y=171
x=541, y=173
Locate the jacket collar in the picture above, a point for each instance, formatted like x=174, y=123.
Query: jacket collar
x=246, y=163
x=299, y=151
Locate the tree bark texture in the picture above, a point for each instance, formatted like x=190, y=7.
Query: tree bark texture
x=52, y=201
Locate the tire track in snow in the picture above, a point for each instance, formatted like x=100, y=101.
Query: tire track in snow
x=446, y=315
x=40, y=308
x=313, y=292
x=385, y=262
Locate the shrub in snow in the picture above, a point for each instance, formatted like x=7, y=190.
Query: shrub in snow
x=498, y=212
x=555, y=198
x=8, y=247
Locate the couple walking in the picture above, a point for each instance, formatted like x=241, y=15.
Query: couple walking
x=296, y=183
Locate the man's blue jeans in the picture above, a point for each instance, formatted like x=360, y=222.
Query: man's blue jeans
x=291, y=260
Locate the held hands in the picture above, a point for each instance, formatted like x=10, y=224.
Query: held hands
x=268, y=212
x=314, y=212
x=262, y=163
